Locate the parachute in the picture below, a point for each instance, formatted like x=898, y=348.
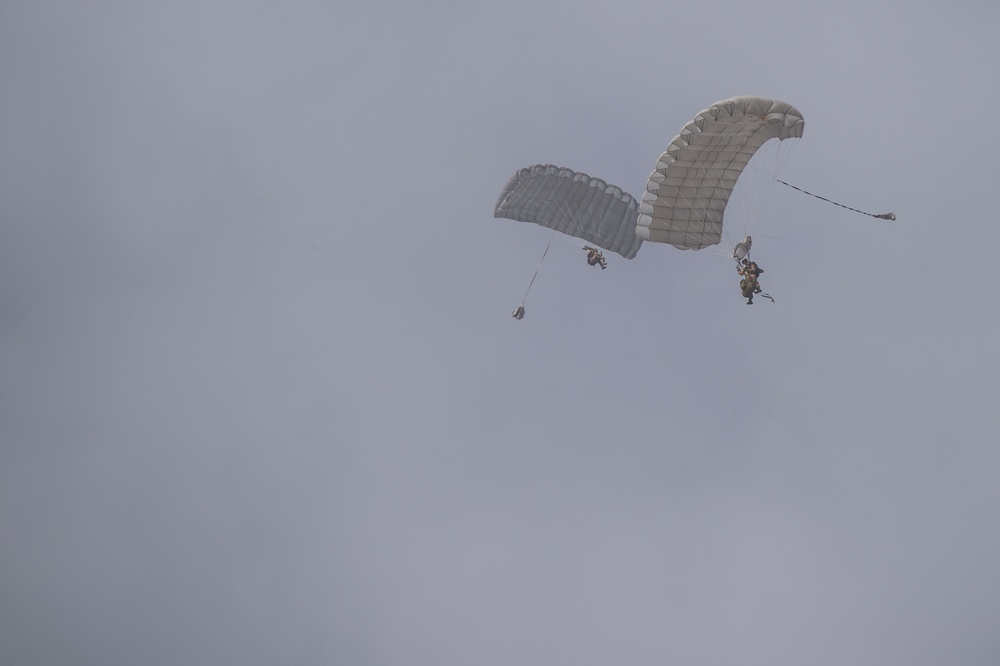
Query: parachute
x=687, y=195
x=688, y=191
x=572, y=203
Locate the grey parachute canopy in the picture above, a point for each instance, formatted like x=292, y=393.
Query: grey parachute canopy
x=687, y=192
x=572, y=203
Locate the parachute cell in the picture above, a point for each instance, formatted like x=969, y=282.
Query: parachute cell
x=687, y=193
x=573, y=203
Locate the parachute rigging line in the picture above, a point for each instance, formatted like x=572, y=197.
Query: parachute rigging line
x=880, y=216
x=538, y=268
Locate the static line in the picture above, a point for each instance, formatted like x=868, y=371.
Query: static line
x=880, y=216
x=538, y=268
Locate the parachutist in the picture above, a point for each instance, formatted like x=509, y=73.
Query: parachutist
x=750, y=284
x=595, y=257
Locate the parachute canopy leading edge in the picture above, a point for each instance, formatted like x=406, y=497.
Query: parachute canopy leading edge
x=687, y=193
x=575, y=204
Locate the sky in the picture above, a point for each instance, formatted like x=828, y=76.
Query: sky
x=262, y=400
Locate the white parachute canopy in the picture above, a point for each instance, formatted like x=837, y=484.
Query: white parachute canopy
x=687, y=193
x=573, y=203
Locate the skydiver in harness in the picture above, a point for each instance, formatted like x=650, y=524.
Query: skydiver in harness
x=595, y=257
x=750, y=284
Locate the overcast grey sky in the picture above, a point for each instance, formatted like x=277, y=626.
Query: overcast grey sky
x=262, y=400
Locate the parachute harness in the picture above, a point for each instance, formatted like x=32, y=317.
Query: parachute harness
x=880, y=216
x=746, y=257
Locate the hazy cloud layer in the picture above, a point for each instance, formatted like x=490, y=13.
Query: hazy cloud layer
x=262, y=401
